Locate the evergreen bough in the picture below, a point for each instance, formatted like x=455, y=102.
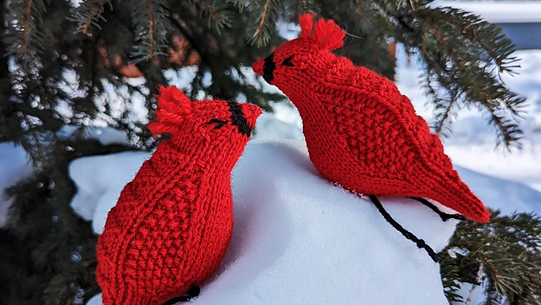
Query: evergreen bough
x=502, y=257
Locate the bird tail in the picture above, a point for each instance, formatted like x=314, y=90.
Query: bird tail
x=449, y=190
x=173, y=106
x=455, y=194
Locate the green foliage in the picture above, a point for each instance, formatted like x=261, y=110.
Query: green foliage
x=25, y=38
x=87, y=14
x=463, y=54
x=503, y=257
x=219, y=15
x=46, y=250
x=263, y=26
x=150, y=20
x=465, y=66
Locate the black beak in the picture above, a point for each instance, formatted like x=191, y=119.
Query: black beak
x=268, y=68
x=238, y=119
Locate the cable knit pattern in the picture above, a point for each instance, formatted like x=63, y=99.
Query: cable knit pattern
x=360, y=131
x=172, y=224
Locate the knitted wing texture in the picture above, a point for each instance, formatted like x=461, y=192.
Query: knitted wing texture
x=172, y=224
x=360, y=131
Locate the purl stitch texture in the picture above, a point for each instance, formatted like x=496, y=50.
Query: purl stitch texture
x=360, y=131
x=172, y=224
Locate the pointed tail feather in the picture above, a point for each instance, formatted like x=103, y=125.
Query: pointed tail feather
x=456, y=195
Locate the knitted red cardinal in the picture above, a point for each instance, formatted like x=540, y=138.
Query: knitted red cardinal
x=360, y=131
x=172, y=224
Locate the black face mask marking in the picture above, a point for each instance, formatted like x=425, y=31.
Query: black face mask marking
x=238, y=119
x=219, y=123
x=287, y=62
x=268, y=68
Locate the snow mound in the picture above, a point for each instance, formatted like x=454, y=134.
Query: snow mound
x=270, y=127
x=14, y=166
x=99, y=180
x=300, y=239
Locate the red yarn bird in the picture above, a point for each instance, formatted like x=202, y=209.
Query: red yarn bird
x=360, y=131
x=172, y=224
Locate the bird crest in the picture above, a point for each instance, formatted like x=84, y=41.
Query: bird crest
x=173, y=107
x=325, y=34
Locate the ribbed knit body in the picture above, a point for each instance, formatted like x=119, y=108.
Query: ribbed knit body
x=165, y=234
x=396, y=159
x=172, y=224
x=361, y=132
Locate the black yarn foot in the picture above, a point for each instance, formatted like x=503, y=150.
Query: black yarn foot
x=444, y=216
x=421, y=244
x=192, y=293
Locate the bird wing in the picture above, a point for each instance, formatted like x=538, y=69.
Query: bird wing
x=380, y=124
x=156, y=179
x=392, y=143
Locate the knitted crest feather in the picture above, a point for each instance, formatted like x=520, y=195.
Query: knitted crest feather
x=173, y=107
x=326, y=34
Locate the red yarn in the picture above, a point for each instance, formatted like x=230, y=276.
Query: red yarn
x=174, y=105
x=172, y=224
x=326, y=34
x=360, y=131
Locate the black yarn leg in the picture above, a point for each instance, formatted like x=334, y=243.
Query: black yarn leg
x=407, y=234
x=444, y=216
x=192, y=293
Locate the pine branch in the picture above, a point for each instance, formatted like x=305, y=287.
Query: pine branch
x=151, y=21
x=219, y=14
x=88, y=14
x=463, y=64
x=445, y=108
x=262, y=20
x=242, y=5
x=303, y=6
x=359, y=10
x=504, y=255
x=25, y=37
x=264, y=25
x=488, y=36
x=27, y=22
x=150, y=38
x=38, y=145
x=498, y=51
x=40, y=253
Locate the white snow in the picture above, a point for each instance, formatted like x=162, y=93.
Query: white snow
x=104, y=135
x=99, y=181
x=300, y=239
x=521, y=166
x=13, y=167
x=499, y=11
x=269, y=126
